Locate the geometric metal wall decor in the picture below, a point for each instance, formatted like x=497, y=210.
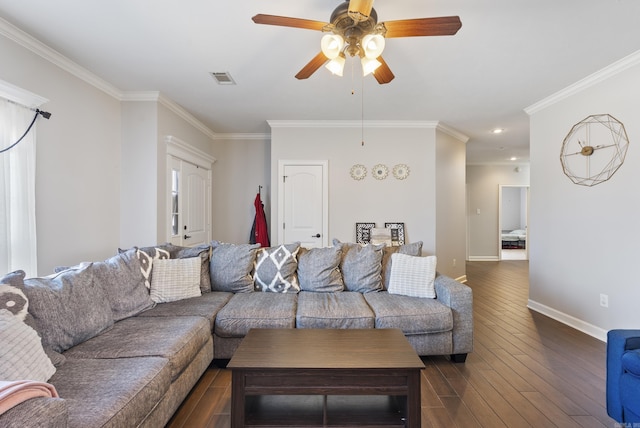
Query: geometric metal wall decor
x=594, y=149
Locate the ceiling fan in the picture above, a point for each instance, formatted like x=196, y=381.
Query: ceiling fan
x=354, y=30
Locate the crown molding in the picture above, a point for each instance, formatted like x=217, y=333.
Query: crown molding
x=591, y=80
x=243, y=136
x=452, y=132
x=352, y=124
x=29, y=42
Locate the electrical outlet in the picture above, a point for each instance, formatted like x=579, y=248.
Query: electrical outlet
x=453, y=264
x=604, y=300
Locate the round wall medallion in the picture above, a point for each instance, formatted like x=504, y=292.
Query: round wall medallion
x=380, y=172
x=358, y=172
x=401, y=171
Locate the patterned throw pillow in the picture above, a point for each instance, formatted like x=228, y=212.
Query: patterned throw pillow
x=21, y=354
x=319, y=269
x=413, y=276
x=275, y=269
x=231, y=266
x=175, y=279
x=202, y=251
x=361, y=266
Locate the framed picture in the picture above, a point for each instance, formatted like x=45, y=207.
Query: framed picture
x=397, y=233
x=381, y=235
x=363, y=232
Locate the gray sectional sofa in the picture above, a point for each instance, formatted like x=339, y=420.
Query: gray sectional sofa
x=128, y=342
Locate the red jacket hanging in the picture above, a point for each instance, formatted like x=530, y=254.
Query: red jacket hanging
x=260, y=231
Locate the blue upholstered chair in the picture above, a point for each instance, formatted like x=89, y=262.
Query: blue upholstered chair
x=623, y=375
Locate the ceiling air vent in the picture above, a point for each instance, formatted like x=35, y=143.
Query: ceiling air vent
x=223, y=78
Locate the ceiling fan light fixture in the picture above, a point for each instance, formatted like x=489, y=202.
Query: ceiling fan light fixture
x=331, y=45
x=373, y=45
x=369, y=65
x=336, y=65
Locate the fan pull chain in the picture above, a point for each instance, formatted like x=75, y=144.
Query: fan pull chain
x=362, y=111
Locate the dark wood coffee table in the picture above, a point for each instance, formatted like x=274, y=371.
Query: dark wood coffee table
x=317, y=363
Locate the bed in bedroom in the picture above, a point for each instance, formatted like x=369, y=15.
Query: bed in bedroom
x=514, y=239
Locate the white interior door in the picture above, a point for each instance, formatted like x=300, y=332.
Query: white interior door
x=303, y=208
x=190, y=204
x=195, y=228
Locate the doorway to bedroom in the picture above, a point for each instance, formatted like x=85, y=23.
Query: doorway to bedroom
x=513, y=217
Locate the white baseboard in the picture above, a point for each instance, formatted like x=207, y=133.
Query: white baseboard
x=576, y=323
x=483, y=259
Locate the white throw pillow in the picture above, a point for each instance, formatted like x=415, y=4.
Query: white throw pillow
x=413, y=276
x=175, y=279
x=21, y=355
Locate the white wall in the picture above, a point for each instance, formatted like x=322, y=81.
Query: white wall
x=412, y=201
x=483, y=191
x=241, y=166
x=513, y=207
x=586, y=237
x=77, y=161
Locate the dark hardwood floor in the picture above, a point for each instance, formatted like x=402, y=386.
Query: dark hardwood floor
x=525, y=370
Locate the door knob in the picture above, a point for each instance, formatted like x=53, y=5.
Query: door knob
x=187, y=236
x=317, y=235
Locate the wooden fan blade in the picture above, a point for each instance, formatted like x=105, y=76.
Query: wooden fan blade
x=285, y=21
x=317, y=62
x=383, y=73
x=441, y=26
x=361, y=9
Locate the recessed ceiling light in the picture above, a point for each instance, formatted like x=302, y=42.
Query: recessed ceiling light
x=498, y=131
x=513, y=158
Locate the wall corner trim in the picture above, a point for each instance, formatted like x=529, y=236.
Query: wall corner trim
x=593, y=79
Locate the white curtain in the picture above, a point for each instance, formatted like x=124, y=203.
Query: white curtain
x=17, y=191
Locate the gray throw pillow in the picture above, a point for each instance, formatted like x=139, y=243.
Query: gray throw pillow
x=361, y=266
x=275, y=269
x=231, y=265
x=123, y=281
x=69, y=307
x=414, y=249
x=319, y=269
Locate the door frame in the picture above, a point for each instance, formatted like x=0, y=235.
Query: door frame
x=183, y=151
x=282, y=163
x=526, y=214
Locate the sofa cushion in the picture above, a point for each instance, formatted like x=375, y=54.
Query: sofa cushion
x=176, y=338
x=413, y=276
x=231, y=265
x=68, y=307
x=319, y=269
x=21, y=355
x=333, y=310
x=111, y=392
x=123, y=281
x=412, y=315
x=245, y=311
x=361, y=266
x=206, y=306
x=175, y=279
x=413, y=249
x=275, y=269
x=202, y=251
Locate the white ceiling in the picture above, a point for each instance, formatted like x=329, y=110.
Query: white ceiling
x=508, y=55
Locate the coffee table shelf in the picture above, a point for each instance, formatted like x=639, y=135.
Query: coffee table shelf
x=315, y=366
